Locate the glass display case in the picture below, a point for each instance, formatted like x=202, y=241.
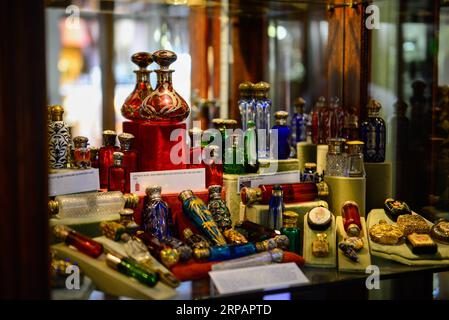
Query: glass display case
x=373, y=72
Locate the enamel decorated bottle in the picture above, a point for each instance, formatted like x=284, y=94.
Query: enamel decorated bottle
x=155, y=214
x=373, y=134
x=59, y=139
x=299, y=122
x=283, y=136
x=291, y=230
x=218, y=208
x=130, y=157
x=131, y=106
x=116, y=181
x=164, y=104
x=263, y=117
x=105, y=156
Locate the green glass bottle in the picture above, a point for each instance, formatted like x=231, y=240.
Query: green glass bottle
x=234, y=157
x=131, y=268
x=250, y=141
x=291, y=230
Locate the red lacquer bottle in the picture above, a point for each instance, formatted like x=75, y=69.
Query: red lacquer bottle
x=351, y=218
x=130, y=157
x=213, y=165
x=117, y=174
x=105, y=156
x=81, y=153
x=292, y=192
x=164, y=104
x=84, y=244
x=131, y=106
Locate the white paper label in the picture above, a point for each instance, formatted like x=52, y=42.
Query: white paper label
x=256, y=180
x=73, y=181
x=171, y=181
x=270, y=276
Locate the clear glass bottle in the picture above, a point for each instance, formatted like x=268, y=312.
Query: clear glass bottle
x=131, y=106
x=299, y=122
x=246, y=103
x=276, y=208
x=336, y=159
x=291, y=230
x=234, y=156
x=105, y=156
x=59, y=139
x=164, y=104
x=130, y=157
x=116, y=181
x=282, y=144
x=373, y=134
x=355, y=155
x=250, y=152
x=81, y=152
x=155, y=214
x=263, y=117
x=218, y=208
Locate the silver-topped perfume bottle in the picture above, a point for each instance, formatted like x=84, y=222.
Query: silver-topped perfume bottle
x=337, y=159
x=355, y=161
x=263, y=116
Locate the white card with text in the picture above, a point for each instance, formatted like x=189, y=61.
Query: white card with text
x=171, y=181
x=256, y=180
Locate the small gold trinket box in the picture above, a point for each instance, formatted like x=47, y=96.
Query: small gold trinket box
x=320, y=246
x=385, y=233
x=413, y=223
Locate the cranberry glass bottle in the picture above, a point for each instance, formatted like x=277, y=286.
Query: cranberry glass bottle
x=105, y=156
x=81, y=153
x=351, y=218
x=317, y=123
x=214, y=165
x=164, y=104
x=84, y=244
x=373, y=134
x=131, y=106
x=129, y=157
x=117, y=180
x=94, y=157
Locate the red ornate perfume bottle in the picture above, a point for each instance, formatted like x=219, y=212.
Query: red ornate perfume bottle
x=105, y=156
x=351, y=218
x=81, y=153
x=84, y=244
x=213, y=165
x=117, y=174
x=164, y=104
x=129, y=161
x=131, y=106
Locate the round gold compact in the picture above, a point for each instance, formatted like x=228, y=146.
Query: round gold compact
x=385, y=233
x=440, y=231
x=319, y=218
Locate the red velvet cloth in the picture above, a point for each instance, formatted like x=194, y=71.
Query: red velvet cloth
x=155, y=146
x=192, y=270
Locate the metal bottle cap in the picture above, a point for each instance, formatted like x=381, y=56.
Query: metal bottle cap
x=118, y=157
x=164, y=58
x=154, y=192
x=61, y=231
x=80, y=142
x=281, y=117
x=56, y=113
x=353, y=230
x=290, y=219
x=336, y=145
x=217, y=122
x=109, y=137
x=142, y=60
x=127, y=214
x=299, y=105
x=186, y=194
x=261, y=89
x=246, y=89
x=373, y=107
x=126, y=140
x=187, y=232
x=250, y=195
x=277, y=191
x=201, y=253
x=53, y=207
x=310, y=166
x=355, y=147
x=321, y=103
x=113, y=261
x=229, y=123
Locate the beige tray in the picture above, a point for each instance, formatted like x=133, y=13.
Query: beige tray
x=111, y=281
x=402, y=253
x=309, y=236
x=344, y=263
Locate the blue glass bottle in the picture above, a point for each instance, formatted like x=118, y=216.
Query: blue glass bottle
x=282, y=143
x=263, y=116
x=246, y=103
x=299, y=122
x=155, y=215
x=373, y=134
x=276, y=208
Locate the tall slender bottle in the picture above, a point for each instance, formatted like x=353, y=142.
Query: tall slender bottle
x=59, y=139
x=250, y=141
x=155, y=214
x=373, y=134
x=131, y=106
x=164, y=104
x=233, y=162
x=263, y=117
x=299, y=122
x=214, y=165
x=105, y=156
x=116, y=180
x=130, y=157
x=283, y=136
x=276, y=208
x=94, y=157
x=317, y=121
x=246, y=103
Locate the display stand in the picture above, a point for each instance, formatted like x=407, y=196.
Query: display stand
x=232, y=195
x=342, y=189
x=344, y=263
x=273, y=166
x=306, y=152
x=309, y=236
x=258, y=213
x=321, y=157
x=379, y=184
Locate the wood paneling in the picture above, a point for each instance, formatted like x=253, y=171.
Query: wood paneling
x=23, y=162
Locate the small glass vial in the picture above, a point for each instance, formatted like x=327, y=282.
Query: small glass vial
x=373, y=134
x=59, y=139
x=130, y=157
x=291, y=230
x=81, y=153
x=336, y=160
x=234, y=156
x=105, y=156
x=263, y=117
x=355, y=155
x=282, y=144
x=276, y=208
x=94, y=157
x=318, y=136
x=218, y=208
x=250, y=140
x=299, y=122
x=117, y=181
x=246, y=103
x=155, y=215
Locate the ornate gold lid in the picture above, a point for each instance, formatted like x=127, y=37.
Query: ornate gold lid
x=246, y=88
x=355, y=147
x=261, y=89
x=299, y=104
x=201, y=253
x=186, y=194
x=290, y=219
x=142, y=60
x=56, y=112
x=153, y=192
x=169, y=257
x=80, y=142
x=281, y=115
x=373, y=106
x=109, y=137
x=164, y=58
